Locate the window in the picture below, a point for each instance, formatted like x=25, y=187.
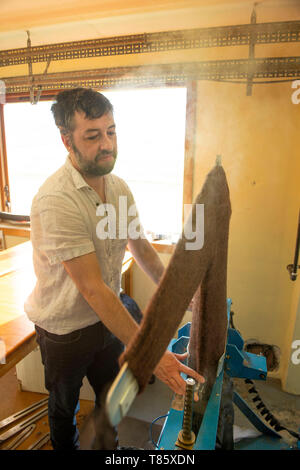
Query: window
x=151, y=137
x=151, y=153
x=34, y=150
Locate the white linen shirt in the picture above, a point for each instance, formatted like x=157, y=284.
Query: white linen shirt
x=63, y=226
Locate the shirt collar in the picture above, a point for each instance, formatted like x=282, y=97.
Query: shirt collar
x=76, y=176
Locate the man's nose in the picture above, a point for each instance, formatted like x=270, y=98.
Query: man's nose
x=106, y=144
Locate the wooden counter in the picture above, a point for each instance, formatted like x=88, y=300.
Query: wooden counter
x=17, y=280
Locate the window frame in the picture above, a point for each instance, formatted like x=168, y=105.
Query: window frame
x=189, y=147
x=4, y=179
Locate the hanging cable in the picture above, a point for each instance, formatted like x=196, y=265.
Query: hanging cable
x=150, y=429
x=265, y=412
x=259, y=404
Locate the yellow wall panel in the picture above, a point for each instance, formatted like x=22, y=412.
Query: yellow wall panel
x=259, y=141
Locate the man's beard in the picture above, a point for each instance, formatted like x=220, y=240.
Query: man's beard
x=92, y=168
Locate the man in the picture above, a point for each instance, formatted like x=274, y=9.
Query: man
x=80, y=321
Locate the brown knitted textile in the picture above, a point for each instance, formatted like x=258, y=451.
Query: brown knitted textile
x=187, y=270
x=209, y=320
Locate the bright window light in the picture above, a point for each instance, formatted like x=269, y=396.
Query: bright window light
x=34, y=150
x=151, y=136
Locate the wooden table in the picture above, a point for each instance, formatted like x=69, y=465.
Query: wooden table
x=17, y=280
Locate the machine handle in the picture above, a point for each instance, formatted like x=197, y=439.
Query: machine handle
x=14, y=217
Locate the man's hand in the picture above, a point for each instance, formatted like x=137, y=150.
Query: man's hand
x=169, y=368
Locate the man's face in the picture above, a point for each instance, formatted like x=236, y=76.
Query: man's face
x=94, y=144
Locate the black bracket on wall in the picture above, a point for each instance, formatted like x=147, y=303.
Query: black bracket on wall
x=252, y=41
x=292, y=268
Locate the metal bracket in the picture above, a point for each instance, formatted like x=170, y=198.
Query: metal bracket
x=239, y=363
x=292, y=268
x=34, y=100
x=252, y=42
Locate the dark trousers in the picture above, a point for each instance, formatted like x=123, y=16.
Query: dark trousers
x=92, y=352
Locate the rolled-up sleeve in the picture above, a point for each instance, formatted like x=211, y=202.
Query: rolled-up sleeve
x=59, y=229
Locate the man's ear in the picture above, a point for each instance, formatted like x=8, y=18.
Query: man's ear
x=66, y=140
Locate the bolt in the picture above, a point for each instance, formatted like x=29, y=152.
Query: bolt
x=188, y=409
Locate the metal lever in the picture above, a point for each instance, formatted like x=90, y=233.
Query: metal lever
x=40, y=442
x=11, y=432
x=292, y=268
x=22, y=413
x=21, y=438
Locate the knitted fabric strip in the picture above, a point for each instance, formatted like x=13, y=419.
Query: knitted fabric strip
x=209, y=321
x=183, y=276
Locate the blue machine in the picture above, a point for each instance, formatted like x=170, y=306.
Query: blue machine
x=235, y=363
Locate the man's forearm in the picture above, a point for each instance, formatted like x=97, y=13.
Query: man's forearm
x=86, y=274
x=112, y=313
x=147, y=258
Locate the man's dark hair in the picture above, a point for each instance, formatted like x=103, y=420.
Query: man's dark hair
x=86, y=100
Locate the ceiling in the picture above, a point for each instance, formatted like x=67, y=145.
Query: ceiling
x=18, y=14
x=52, y=21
